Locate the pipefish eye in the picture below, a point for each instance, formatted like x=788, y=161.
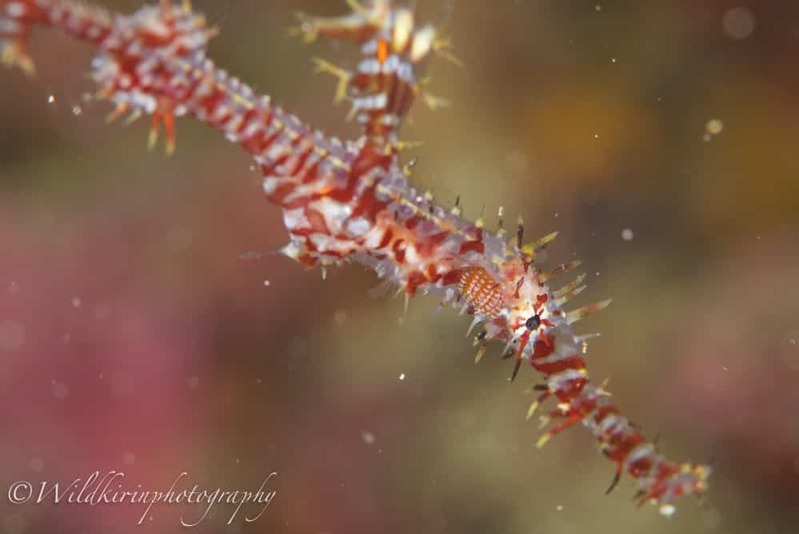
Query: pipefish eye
x=533, y=322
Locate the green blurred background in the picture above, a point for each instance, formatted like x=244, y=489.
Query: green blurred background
x=660, y=138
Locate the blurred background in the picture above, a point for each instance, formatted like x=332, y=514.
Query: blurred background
x=660, y=138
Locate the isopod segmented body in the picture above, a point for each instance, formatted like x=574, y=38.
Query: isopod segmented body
x=481, y=292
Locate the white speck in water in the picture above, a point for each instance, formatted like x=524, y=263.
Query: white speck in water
x=36, y=464
x=559, y=508
x=51, y=99
x=627, y=234
x=76, y=302
x=714, y=126
x=77, y=111
x=12, y=335
x=596, y=136
x=598, y=8
x=402, y=376
x=367, y=437
x=267, y=283
x=193, y=382
x=789, y=351
x=102, y=311
x=60, y=390
x=667, y=510
x=129, y=458
x=738, y=22
x=613, y=60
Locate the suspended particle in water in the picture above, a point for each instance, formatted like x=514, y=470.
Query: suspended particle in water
x=76, y=302
x=627, y=234
x=51, y=99
x=402, y=376
x=267, y=283
x=789, y=350
x=102, y=310
x=367, y=437
x=738, y=22
x=77, y=111
x=60, y=390
x=712, y=127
